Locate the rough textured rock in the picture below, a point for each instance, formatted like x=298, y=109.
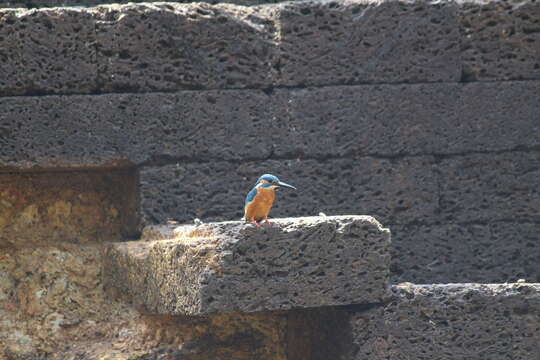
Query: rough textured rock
x=487, y=187
x=450, y=322
x=185, y=46
x=345, y=42
x=302, y=43
x=398, y=191
x=37, y=209
x=412, y=119
x=500, y=39
x=57, y=3
x=453, y=253
x=191, y=126
x=48, y=51
x=236, y=267
x=52, y=306
x=84, y=131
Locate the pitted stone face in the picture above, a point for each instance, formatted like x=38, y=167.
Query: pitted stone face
x=451, y=321
x=236, y=267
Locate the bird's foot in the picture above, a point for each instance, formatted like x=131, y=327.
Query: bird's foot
x=254, y=222
x=267, y=222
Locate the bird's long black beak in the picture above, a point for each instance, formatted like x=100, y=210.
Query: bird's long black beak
x=282, y=184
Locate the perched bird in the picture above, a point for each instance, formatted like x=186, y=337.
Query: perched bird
x=260, y=199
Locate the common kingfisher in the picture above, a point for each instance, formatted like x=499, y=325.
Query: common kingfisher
x=260, y=199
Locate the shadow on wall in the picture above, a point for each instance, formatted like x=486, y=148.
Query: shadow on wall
x=40, y=208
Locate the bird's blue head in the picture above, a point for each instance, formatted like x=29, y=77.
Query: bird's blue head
x=271, y=181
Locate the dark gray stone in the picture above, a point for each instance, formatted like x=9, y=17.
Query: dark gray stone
x=346, y=42
x=453, y=253
x=82, y=131
x=500, y=40
x=393, y=191
x=47, y=52
x=185, y=46
x=413, y=119
x=452, y=322
x=188, y=126
x=237, y=267
x=490, y=187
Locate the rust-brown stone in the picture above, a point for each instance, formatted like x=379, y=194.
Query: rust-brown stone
x=42, y=208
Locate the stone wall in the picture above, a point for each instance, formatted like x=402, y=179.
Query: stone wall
x=32, y=4
x=419, y=113
x=448, y=322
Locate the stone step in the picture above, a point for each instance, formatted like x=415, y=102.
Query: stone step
x=235, y=267
x=451, y=322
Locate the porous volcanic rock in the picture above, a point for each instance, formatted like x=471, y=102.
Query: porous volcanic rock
x=346, y=42
x=185, y=46
x=53, y=306
x=90, y=131
x=490, y=187
x=412, y=119
x=234, y=267
x=87, y=3
x=500, y=40
x=448, y=322
x=337, y=121
x=395, y=191
x=499, y=251
x=47, y=52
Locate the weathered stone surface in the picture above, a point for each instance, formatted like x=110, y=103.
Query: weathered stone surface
x=185, y=47
x=412, y=119
x=453, y=253
x=37, y=209
x=202, y=46
x=450, y=322
x=89, y=130
x=84, y=131
x=236, y=267
x=54, y=307
x=394, y=191
x=58, y=3
x=500, y=40
x=490, y=187
x=346, y=42
x=48, y=51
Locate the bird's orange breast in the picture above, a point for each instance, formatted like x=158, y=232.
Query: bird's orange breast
x=260, y=207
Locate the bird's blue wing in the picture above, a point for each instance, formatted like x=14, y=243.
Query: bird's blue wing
x=251, y=195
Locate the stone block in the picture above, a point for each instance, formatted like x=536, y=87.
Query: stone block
x=449, y=322
x=85, y=131
x=451, y=253
x=235, y=267
x=191, y=126
x=47, y=52
x=87, y=3
x=490, y=187
x=395, y=191
x=53, y=306
x=500, y=40
x=412, y=119
x=347, y=42
x=185, y=46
